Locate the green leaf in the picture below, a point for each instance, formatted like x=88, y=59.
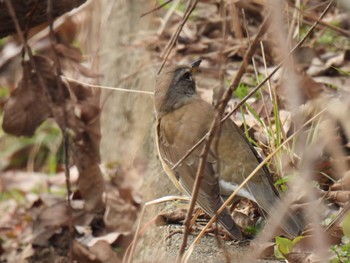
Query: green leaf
x=277, y=253
x=341, y=71
x=345, y=224
x=297, y=239
x=284, y=245
x=241, y=91
x=283, y=180
x=251, y=230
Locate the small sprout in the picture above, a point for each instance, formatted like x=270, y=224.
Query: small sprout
x=284, y=246
x=241, y=91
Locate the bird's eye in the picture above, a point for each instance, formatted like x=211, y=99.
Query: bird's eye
x=187, y=76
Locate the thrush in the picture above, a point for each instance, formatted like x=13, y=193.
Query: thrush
x=183, y=118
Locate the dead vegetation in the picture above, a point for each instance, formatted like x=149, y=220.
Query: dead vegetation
x=289, y=94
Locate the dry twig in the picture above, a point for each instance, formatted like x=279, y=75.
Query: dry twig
x=190, y=7
x=252, y=92
x=215, y=128
x=156, y=8
x=232, y=196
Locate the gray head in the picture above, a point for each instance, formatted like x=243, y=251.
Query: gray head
x=175, y=87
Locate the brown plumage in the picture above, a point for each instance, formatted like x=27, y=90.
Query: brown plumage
x=183, y=118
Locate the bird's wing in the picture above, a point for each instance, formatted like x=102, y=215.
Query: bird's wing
x=238, y=165
x=171, y=149
x=237, y=160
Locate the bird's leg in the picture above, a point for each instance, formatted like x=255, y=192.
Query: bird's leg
x=196, y=215
x=193, y=221
x=173, y=232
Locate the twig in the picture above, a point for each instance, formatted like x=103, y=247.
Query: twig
x=222, y=106
x=299, y=44
x=48, y=96
x=213, y=131
x=313, y=18
x=107, y=87
x=197, y=182
x=63, y=129
x=223, y=14
x=167, y=17
x=131, y=249
x=336, y=221
x=156, y=8
x=241, y=103
x=25, y=44
x=232, y=86
x=190, y=7
x=253, y=173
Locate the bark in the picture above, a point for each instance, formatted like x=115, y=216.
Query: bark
x=126, y=117
x=31, y=13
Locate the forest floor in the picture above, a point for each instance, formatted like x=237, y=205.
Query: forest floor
x=312, y=86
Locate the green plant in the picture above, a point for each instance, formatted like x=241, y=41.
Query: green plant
x=180, y=7
x=284, y=246
x=326, y=38
x=342, y=251
x=281, y=183
x=252, y=230
x=41, y=152
x=13, y=194
x=341, y=71
x=3, y=41
x=246, y=131
x=241, y=91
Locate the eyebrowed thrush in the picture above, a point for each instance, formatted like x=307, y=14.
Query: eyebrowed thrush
x=183, y=118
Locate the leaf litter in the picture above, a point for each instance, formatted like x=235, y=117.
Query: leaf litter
x=35, y=224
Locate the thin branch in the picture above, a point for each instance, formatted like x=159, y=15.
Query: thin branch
x=214, y=129
x=107, y=87
x=156, y=8
x=131, y=248
x=252, y=92
x=25, y=44
x=313, y=18
x=298, y=45
x=223, y=14
x=222, y=106
x=64, y=129
x=253, y=173
x=336, y=221
x=190, y=7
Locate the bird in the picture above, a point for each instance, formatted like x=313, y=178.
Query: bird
x=182, y=119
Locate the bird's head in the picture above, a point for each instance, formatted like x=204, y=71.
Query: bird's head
x=175, y=86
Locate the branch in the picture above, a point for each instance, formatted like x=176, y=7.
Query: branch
x=252, y=92
x=155, y=9
x=213, y=131
x=253, y=173
x=174, y=37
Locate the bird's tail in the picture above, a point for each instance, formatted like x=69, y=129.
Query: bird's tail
x=271, y=203
x=293, y=223
x=211, y=206
x=227, y=222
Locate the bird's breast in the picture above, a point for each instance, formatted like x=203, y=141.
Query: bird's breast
x=188, y=124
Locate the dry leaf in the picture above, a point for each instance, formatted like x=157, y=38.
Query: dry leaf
x=28, y=105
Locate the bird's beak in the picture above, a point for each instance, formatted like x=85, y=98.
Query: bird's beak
x=194, y=65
